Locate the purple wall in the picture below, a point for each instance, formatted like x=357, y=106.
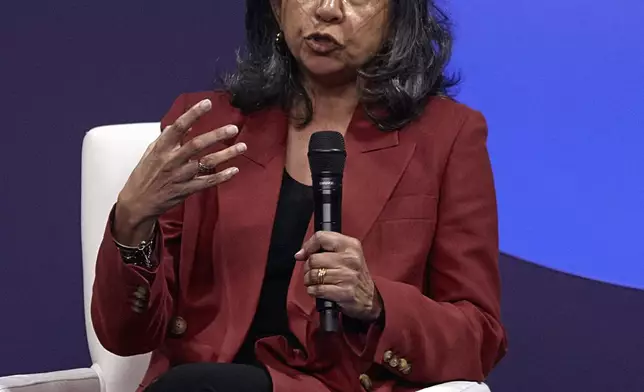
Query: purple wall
x=68, y=67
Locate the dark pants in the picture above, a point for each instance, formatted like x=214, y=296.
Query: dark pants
x=213, y=377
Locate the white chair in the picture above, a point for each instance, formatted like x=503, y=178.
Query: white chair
x=109, y=155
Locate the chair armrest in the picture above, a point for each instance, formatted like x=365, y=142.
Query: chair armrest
x=458, y=386
x=77, y=380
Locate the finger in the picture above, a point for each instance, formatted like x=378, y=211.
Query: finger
x=310, y=247
x=324, y=260
x=330, y=292
x=203, y=182
x=172, y=134
x=197, y=144
x=190, y=169
x=187, y=172
x=332, y=276
x=350, y=259
x=328, y=241
x=213, y=160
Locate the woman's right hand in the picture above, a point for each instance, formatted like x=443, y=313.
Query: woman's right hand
x=166, y=175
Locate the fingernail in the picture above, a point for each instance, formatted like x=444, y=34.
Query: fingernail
x=299, y=253
x=232, y=171
x=231, y=130
x=205, y=104
x=241, y=147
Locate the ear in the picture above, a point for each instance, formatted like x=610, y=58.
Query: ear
x=276, y=5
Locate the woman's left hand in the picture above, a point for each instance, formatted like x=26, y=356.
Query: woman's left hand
x=340, y=274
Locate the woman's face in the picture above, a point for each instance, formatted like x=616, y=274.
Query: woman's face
x=332, y=38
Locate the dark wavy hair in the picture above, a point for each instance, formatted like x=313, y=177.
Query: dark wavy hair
x=394, y=85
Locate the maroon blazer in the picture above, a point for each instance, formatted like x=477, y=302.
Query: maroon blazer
x=422, y=202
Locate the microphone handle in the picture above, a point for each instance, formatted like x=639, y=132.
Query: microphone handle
x=328, y=212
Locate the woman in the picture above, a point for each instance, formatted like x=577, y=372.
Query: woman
x=209, y=259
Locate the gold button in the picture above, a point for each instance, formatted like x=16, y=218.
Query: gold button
x=138, y=305
x=140, y=295
x=404, y=366
x=365, y=381
x=388, y=355
x=179, y=326
x=394, y=362
x=142, y=291
x=406, y=370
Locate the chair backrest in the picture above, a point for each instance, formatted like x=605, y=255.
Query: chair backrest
x=109, y=155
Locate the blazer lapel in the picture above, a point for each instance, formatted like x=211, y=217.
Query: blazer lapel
x=376, y=161
x=246, y=212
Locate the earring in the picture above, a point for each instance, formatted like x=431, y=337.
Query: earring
x=278, y=38
x=280, y=45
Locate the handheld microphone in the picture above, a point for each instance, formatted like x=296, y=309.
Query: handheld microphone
x=327, y=156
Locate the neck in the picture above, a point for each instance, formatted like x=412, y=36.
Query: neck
x=332, y=101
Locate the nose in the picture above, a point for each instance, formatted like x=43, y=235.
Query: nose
x=330, y=11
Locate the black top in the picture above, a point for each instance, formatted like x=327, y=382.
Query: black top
x=294, y=210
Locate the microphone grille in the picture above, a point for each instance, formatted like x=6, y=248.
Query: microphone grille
x=327, y=152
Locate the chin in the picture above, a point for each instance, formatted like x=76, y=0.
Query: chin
x=325, y=67
x=322, y=65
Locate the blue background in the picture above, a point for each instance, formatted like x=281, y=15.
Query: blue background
x=562, y=86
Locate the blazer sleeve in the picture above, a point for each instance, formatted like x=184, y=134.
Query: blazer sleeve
x=118, y=327
x=453, y=331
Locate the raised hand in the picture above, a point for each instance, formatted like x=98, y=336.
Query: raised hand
x=167, y=174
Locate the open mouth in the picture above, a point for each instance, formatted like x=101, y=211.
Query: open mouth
x=324, y=39
x=322, y=44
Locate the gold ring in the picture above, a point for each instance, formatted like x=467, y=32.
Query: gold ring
x=321, y=275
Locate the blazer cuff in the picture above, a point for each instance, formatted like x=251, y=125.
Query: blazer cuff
x=363, y=337
x=395, y=348
x=136, y=273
